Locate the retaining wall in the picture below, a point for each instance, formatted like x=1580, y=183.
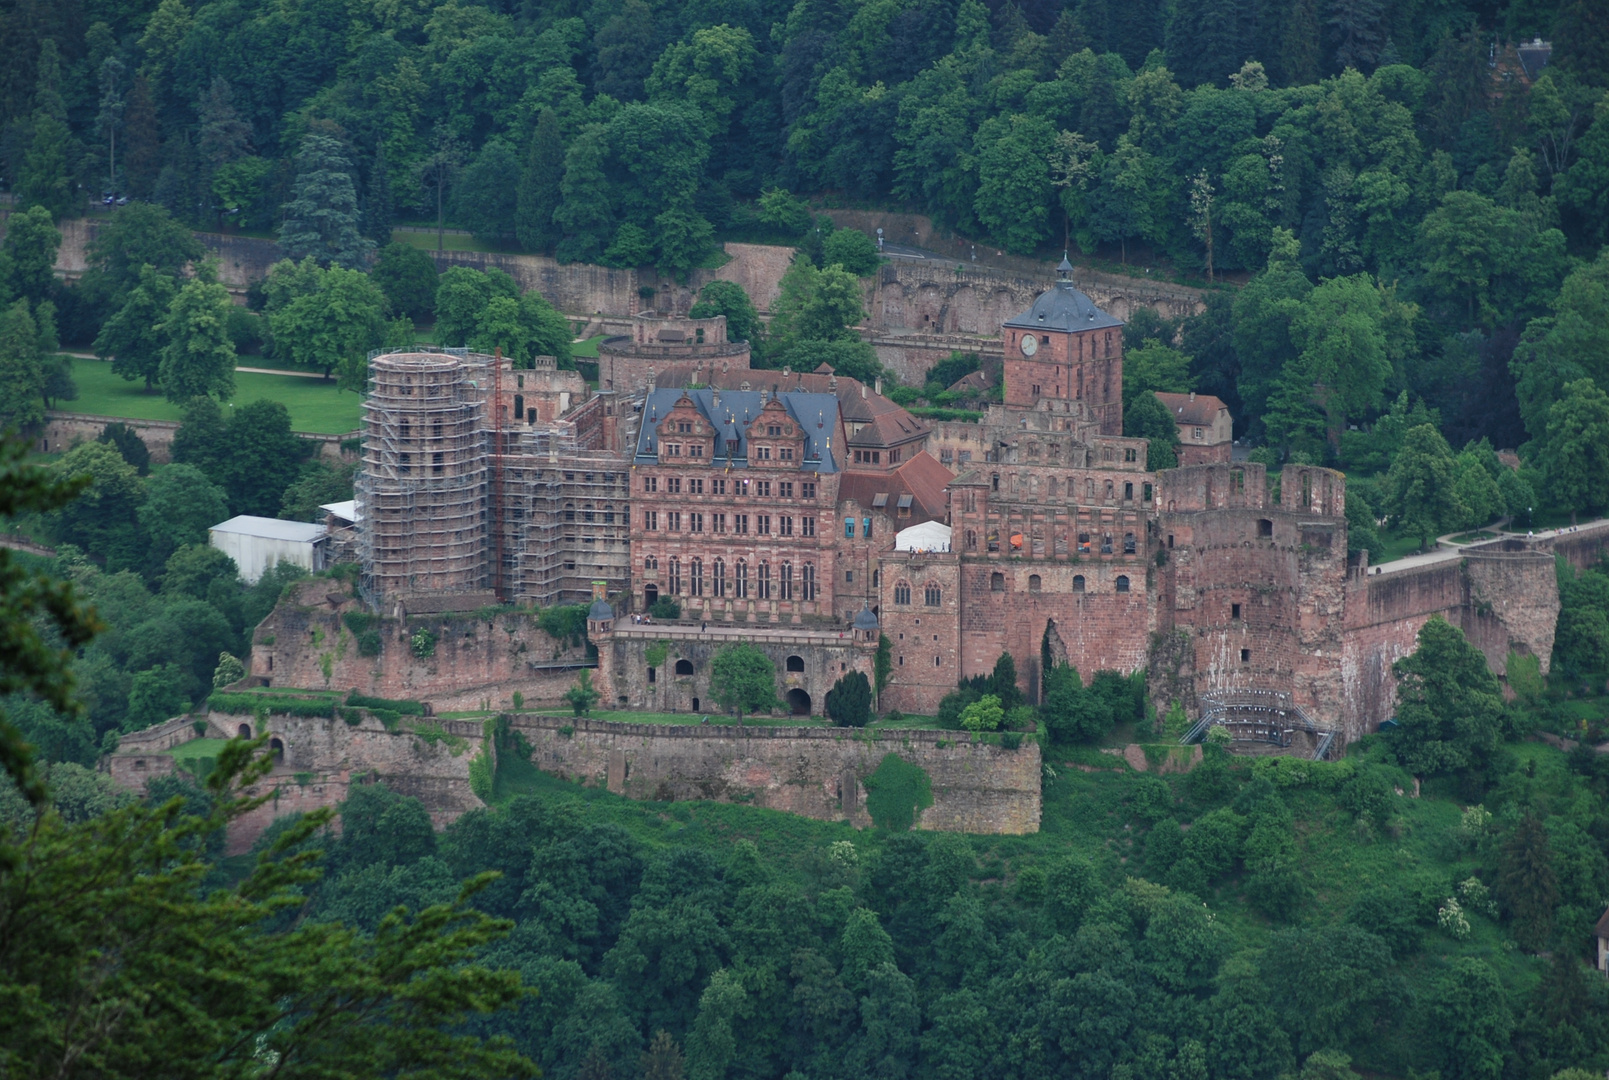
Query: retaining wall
x=64, y=430
x=816, y=772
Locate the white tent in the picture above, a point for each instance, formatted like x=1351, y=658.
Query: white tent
x=928, y=536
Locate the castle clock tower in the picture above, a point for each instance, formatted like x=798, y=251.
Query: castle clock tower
x=1066, y=349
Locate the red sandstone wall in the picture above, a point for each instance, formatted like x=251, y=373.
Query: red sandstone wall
x=305, y=644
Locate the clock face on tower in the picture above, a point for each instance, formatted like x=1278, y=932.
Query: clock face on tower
x=1030, y=344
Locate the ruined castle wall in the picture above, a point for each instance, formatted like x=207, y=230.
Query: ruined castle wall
x=816, y=772
x=320, y=760
x=1097, y=628
x=825, y=656
x=305, y=644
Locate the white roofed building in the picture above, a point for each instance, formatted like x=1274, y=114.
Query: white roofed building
x=257, y=543
x=928, y=536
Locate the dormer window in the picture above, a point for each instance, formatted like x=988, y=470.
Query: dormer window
x=684, y=427
x=773, y=431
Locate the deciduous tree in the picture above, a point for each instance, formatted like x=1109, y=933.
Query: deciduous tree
x=743, y=679
x=198, y=357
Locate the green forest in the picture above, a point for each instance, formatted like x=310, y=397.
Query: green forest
x=1400, y=233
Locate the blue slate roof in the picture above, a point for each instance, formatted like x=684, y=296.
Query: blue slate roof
x=731, y=412
x=1062, y=307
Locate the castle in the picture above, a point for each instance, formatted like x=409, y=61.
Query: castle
x=809, y=515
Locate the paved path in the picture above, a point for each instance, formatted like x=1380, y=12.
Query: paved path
x=1447, y=549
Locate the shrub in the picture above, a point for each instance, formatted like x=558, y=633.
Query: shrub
x=849, y=702
x=403, y=706
x=665, y=608
x=896, y=793
x=423, y=643
x=984, y=714
x=1010, y=740
x=247, y=704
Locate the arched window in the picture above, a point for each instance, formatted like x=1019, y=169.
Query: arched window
x=650, y=562
x=934, y=597
x=1122, y=583
x=1033, y=582
x=996, y=481
x=795, y=663
x=1128, y=543
x=1106, y=543
x=696, y=584
x=1052, y=487
x=1078, y=582
x=684, y=667
x=786, y=581
x=1108, y=491
x=740, y=581
x=877, y=579
x=718, y=578
x=997, y=582
x=675, y=582
x=763, y=581
x=807, y=581
x=902, y=593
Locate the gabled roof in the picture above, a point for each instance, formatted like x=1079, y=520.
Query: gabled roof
x=1197, y=409
x=1063, y=307
x=890, y=429
x=730, y=412
x=918, y=484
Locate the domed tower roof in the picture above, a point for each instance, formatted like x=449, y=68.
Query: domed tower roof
x=1063, y=307
x=600, y=611
x=865, y=619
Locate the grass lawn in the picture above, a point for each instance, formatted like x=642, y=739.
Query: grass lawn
x=450, y=241
x=315, y=405
x=198, y=748
x=586, y=350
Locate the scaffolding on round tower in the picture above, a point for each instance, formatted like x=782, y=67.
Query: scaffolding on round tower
x=422, y=490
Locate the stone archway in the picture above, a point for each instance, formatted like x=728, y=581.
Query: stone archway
x=650, y=594
x=798, y=702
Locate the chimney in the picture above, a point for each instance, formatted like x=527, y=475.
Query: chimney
x=651, y=378
x=877, y=387
x=1192, y=395
x=862, y=389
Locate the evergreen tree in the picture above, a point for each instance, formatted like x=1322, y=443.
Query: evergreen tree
x=485, y=197
x=1527, y=883
x=379, y=209
x=109, y=117
x=142, y=140
x=22, y=377
x=409, y=280
x=222, y=136
x=321, y=220
x=849, y=702
x=541, y=185
x=45, y=177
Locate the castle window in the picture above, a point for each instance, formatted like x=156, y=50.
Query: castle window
x=1109, y=491
x=1106, y=544
x=934, y=596
x=673, y=520
x=1196, y=434
x=1245, y=656
x=650, y=520
x=807, y=526
x=762, y=524
x=684, y=667
x=784, y=525
x=1128, y=492
x=997, y=582
x=675, y=582
x=696, y=579
x=695, y=522
x=807, y=581
x=786, y=581
x=651, y=675
x=785, y=489
x=650, y=483
x=1265, y=527
x=764, y=487
x=785, y=453
x=1078, y=582
x=1128, y=543
x=1083, y=543
x=935, y=661
x=1170, y=541
x=972, y=540
x=1122, y=583
x=1033, y=583
x=763, y=581
x=1146, y=492
x=807, y=489
x=740, y=580
x=649, y=562
x=902, y=593
x=1130, y=454
x=795, y=663
x=1234, y=611
x=1237, y=480
x=673, y=485
x=995, y=481
x=849, y=577
x=849, y=528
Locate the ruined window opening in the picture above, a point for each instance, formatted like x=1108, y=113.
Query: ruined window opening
x=795, y=663
x=684, y=667
x=997, y=582
x=1234, y=611
x=1245, y=656
x=1265, y=527
x=1078, y=582
x=1033, y=583
x=1122, y=583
